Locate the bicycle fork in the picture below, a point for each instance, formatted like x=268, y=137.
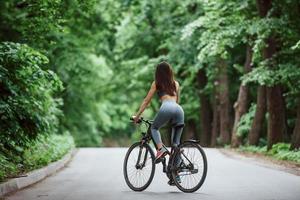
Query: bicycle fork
x=138, y=165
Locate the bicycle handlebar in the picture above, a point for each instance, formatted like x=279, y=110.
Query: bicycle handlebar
x=142, y=120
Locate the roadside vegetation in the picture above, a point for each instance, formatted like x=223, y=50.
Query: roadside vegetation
x=279, y=151
x=44, y=150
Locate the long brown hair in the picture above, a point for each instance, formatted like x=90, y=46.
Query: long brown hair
x=164, y=78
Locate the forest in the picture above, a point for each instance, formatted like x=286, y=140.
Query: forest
x=82, y=68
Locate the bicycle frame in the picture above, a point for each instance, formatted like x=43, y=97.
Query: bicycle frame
x=178, y=165
x=147, y=137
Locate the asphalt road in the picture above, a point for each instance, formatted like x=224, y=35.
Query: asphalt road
x=96, y=174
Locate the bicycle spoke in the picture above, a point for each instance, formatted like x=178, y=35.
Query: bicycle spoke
x=192, y=159
x=138, y=174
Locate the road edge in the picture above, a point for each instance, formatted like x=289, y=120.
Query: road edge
x=261, y=161
x=15, y=184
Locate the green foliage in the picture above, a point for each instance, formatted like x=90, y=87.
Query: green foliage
x=223, y=26
x=245, y=122
x=86, y=77
x=27, y=106
x=285, y=74
x=89, y=98
x=280, y=151
x=7, y=168
x=105, y=53
x=254, y=149
x=32, y=20
x=279, y=147
x=260, y=75
x=44, y=150
x=47, y=148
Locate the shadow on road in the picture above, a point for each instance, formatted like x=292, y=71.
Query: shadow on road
x=167, y=193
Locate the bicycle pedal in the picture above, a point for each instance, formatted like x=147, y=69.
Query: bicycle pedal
x=171, y=183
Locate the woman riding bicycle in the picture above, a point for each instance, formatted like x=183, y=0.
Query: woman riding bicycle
x=170, y=111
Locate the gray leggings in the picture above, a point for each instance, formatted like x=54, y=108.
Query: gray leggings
x=171, y=112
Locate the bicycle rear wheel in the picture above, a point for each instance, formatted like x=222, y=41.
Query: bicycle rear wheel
x=189, y=167
x=139, y=166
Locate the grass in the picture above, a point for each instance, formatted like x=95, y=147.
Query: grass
x=45, y=150
x=279, y=151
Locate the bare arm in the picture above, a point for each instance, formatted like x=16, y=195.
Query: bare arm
x=146, y=100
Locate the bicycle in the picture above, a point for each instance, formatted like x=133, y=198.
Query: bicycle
x=139, y=163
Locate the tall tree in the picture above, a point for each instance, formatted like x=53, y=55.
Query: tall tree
x=224, y=103
x=296, y=133
x=216, y=117
x=275, y=102
x=260, y=112
x=205, y=110
x=241, y=105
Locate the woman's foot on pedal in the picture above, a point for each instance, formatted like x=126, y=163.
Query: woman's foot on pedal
x=160, y=154
x=178, y=179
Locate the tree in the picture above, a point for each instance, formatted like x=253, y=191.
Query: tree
x=205, y=110
x=241, y=105
x=275, y=102
x=296, y=133
x=224, y=103
x=28, y=106
x=259, y=117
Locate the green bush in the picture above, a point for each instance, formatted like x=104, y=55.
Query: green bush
x=42, y=151
x=245, y=123
x=7, y=168
x=280, y=151
x=27, y=104
x=47, y=149
x=254, y=149
x=279, y=147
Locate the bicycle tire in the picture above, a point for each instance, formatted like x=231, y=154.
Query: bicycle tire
x=125, y=170
x=204, y=173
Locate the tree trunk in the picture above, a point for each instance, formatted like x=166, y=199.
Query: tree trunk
x=276, y=110
x=275, y=102
x=205, y=110
x=241, y=105
x=263, y=7
x=216, y=118
x=224, y=103
x=296, y=133
x=259, y=117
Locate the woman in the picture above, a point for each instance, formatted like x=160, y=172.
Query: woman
x=170, y=111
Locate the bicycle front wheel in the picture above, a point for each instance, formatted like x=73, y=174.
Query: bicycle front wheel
x=139, y=166
x=189, y=167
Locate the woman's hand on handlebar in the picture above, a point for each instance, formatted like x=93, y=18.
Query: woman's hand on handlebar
x=136, y=119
